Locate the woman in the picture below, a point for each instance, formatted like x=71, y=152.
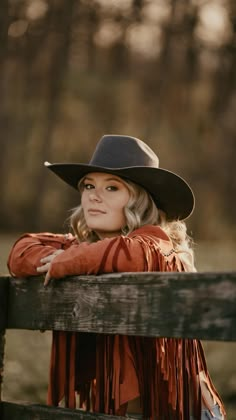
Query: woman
x=129, y=219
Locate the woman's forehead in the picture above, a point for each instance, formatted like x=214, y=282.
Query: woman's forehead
x=93, y=176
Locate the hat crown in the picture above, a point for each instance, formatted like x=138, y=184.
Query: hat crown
x=115, y=151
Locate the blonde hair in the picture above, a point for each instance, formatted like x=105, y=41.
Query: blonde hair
x=139, y=211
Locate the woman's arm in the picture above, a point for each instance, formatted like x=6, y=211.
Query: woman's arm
x=105, y=256
x=29, y=249
x=120, y=254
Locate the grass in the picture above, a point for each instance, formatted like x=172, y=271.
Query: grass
x=27, y=353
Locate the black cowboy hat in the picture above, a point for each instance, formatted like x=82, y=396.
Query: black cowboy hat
x=132, y=159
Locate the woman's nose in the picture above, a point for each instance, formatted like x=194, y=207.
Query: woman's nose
x=95, y=196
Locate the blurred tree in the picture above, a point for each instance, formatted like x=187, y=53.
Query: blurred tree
x=4, y=116
x=58, y=41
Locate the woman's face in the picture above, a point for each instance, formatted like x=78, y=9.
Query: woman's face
x=103, y=199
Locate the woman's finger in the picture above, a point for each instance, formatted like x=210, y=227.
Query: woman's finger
x=50, y=257
x=45, y=259
x=47, y=279
x=43, y=268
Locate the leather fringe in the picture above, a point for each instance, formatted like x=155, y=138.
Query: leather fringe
x=166, y=370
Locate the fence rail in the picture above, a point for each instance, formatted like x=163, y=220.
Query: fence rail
x=11, y=411
x=186, y=305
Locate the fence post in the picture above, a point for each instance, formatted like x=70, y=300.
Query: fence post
x=4, y=282
x=2, y=346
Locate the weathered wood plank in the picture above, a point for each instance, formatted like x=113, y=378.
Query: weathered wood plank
x=40, y=412
x=4, y=281
x=2, y=349
x=188, y=305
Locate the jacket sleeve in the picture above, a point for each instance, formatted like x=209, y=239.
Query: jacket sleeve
x=120, y=254
x=28, y=250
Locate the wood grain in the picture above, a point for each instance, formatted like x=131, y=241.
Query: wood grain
x=4, y=283
x=188, y=305
x=11, y=411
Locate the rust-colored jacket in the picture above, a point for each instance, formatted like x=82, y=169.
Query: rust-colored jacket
x=164, y=372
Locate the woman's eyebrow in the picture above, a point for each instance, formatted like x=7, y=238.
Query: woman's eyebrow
x=87, y=178
x=113, y=179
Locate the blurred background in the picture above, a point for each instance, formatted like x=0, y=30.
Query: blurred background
x=73, y=70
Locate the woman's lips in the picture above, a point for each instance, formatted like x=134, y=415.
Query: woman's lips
x=95, y=211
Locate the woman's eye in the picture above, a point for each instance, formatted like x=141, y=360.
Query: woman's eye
x=88, y=186
x=112, y=188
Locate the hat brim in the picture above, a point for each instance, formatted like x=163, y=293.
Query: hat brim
x=170, y=192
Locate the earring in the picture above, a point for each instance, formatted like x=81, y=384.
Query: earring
x=124, y=230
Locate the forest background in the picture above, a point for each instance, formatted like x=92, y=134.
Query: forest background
x=73, y=70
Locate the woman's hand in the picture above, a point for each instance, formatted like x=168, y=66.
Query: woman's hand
x=46, y=264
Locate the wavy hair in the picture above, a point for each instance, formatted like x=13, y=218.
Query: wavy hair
x=139, y=211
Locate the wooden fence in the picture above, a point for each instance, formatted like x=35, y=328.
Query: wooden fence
x=187, y=305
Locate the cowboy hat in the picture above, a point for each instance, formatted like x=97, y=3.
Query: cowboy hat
x=132, y=159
